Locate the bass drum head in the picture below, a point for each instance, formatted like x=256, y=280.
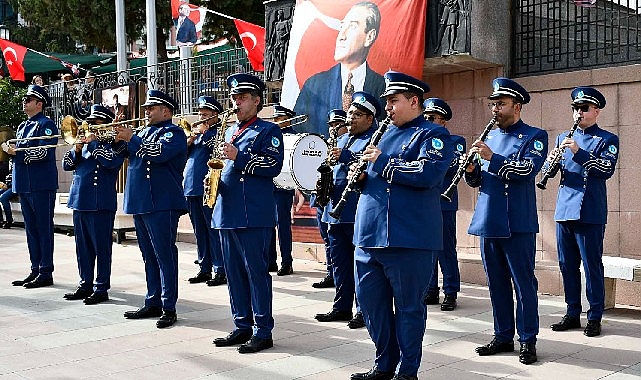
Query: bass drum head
x=304, y=152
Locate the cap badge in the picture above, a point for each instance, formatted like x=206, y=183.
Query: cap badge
x=234, y=82
x=580, y=94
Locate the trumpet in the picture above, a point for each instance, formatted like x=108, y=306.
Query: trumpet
x=189, y=127
x=298, y=119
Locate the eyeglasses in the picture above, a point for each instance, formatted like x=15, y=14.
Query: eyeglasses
x=583, y=108
x=355, y=114
x=27, y=99
x=434, y=117
x=498, y=105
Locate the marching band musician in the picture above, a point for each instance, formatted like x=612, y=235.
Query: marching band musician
x=361, y=116
x=284, y=201
x=438, y=111
x=35, y=180
x=582, y=209
x=154, y=195
x=92, y=197
x=200, y=146
x=335, y=119
x=244, y=214
x=506, y=218
x=398, y=228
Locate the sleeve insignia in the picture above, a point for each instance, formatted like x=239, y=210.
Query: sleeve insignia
x=538, y=145
x=437, y=144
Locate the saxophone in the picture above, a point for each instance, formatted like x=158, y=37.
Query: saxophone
x=325, y=182
x=215, y=163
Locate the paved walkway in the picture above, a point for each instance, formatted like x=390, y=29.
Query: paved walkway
x=43, y=336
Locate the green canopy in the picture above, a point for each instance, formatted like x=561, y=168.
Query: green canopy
x=35, y=63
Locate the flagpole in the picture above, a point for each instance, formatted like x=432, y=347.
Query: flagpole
x=121, y=43
x=219, y=14
x=64, y=63
x=152, y=48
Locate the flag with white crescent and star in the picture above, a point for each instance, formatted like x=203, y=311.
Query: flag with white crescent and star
x=14, y=56
x=253, y=38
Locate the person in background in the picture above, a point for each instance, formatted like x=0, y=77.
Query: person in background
x=6, y=193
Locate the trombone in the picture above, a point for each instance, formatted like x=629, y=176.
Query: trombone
x=189, y=127
x=298, y=119
x=72, y=132
x=36, y=138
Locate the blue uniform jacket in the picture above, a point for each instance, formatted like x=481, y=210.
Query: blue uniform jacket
x=507, y=201
x=198, y=153
x=458, y=146
x=246, y=188
x=400, y=202
x=583, y=176
x=157, y=157
x=93, y=186
x=352, y=147
x=35, y=169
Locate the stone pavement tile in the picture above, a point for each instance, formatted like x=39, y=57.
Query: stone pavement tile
x=11, y=376
x=327, y=345
x=338, y=373
x=448, y=352
x=450, y=373
x=500, y=365
x=566, y=368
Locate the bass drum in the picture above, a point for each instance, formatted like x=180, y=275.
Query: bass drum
x=304, y=152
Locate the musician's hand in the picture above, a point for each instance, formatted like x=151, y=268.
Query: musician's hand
x=124, y=133
x=469, y=168
x=352, y=169
x=371, y=153
x=8, y=148
x=335, y=153
x=482, y=149
x=190, y=139
x=78, y=147
x=228, y=151
x=571, y=144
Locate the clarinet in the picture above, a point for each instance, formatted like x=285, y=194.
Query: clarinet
x=460, y=172
x=554, y=163
x=360, y=169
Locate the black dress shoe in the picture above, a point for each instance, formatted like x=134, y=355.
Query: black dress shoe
x=285, y=270
x=431, y=298
x=196, y=261
x=527, y=354
x=234, y=337
x=39, y=282
x=402, y=376
x=567, y=323
x=200, y=277
x=79, y=294
x=168, y=318
x=592, y=328
x=357, y=322
x=29, y=278
x=495, y=347
x=144, y=312
x=219, y=279
x=327, y=282
x=372, y=374
x=273, y=267
x=96, y=298
x=334, y=315
x=255, y=344
x=449, y=302
x=7, y=225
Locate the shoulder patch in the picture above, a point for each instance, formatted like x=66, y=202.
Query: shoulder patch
x=48, y=132
x=459, y=147
x=612, y=149
x=437, y=143
x=538, y=145
x=275, y=142
x=169, y=135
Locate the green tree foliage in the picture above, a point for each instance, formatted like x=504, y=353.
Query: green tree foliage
x=11, y=104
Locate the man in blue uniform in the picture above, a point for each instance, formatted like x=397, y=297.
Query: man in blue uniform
x=506, y=219
x=92, y=197
x=284, y=201
x=201, y=143
x=244, y=214
x=361, y=117
x=154, y=195
x=438, y=111
x=336, y=122
x=35, y=179
x=582, y=209
x=398, y=228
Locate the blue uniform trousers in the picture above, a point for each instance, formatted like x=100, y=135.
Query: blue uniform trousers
x=248, y=281
x=508, y=260
x=284, y=201
x=207, y=239
x=37, y=211
x=342, y=259
x=447, y=258
x=578, y=242
x=156, y=233
x=93, y=232
x=388, y=280
x=5, y=196
x=322, y=228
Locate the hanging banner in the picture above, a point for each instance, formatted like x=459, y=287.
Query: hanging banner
x=361, y=39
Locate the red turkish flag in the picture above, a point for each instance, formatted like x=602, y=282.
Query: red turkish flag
x=13, y=56
x=253, y=38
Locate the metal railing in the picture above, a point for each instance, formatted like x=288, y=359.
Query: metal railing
x=559, y=35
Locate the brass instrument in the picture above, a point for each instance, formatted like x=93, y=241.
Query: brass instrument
x=460, y=172
x=554, y=163
x=325, y=182
x=212, y=179
x=72, y=132
x=35, y=138
x=298, y=119
x=189, y=127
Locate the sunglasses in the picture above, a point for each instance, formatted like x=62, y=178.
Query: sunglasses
x=433, y=117
x=27, y=99
x=583, y=108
